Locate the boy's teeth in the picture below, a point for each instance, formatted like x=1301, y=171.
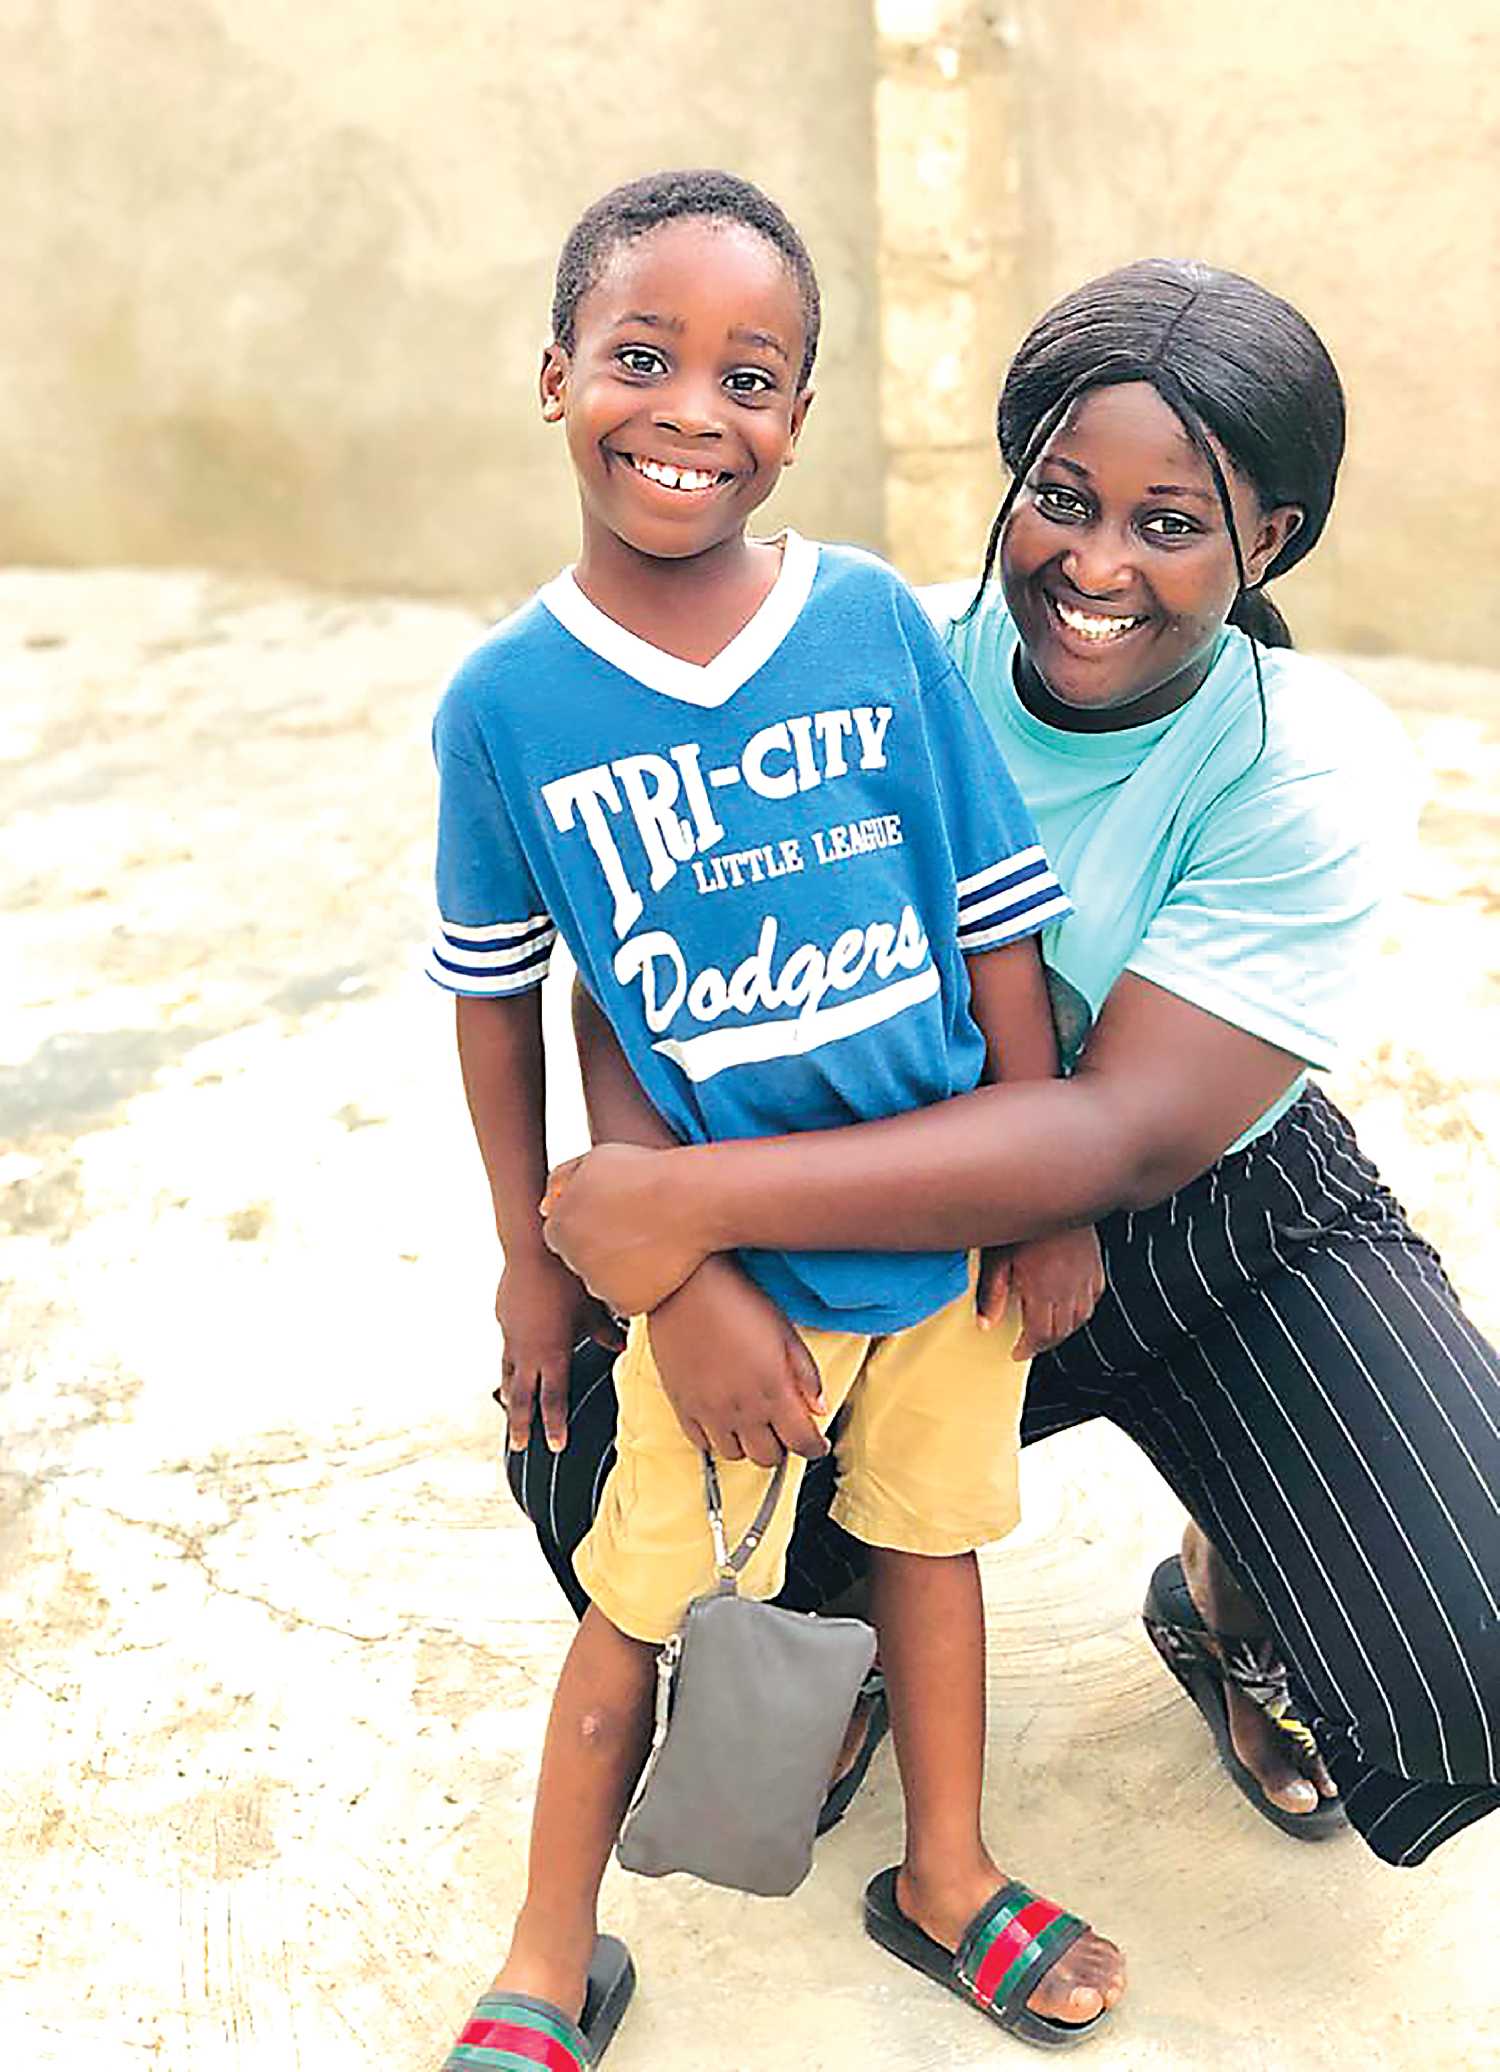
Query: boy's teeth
x=1094, y=626
x=673, y=478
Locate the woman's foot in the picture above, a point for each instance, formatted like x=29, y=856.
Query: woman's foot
x=1258, y=1742
x=1085, y=1980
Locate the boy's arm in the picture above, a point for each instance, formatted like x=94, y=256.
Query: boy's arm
x=1056, y=1280
x=740, y=1379
x=541, y=1309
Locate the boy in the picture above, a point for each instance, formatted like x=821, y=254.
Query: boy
x=744, y=781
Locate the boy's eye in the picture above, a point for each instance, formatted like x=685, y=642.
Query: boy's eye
x=749, y=381
x=640, y=359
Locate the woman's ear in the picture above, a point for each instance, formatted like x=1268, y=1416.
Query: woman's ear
x=552, y=383
x=1275, y=529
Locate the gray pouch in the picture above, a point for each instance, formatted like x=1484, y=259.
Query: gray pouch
x=752, y=1704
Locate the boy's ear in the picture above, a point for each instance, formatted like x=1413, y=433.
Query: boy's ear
x=552, y=383
x=800, y=409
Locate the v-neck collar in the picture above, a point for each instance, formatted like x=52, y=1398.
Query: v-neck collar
x=693, y=683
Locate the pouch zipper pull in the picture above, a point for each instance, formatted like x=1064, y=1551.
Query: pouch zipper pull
x=667, y=1658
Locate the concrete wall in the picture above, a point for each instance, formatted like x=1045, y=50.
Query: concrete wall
x=1345, y=153
x=278, y=275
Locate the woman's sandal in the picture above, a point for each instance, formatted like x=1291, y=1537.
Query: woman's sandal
x=1203, y=1662
x=1007, y=1950
x=877, y=1726
x=514, y=2031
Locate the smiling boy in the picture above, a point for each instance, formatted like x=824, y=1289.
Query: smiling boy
x=743, y=781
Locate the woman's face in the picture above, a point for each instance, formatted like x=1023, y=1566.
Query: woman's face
x=1115, y=560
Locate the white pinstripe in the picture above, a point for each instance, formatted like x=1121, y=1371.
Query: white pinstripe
x=1459, y=1814
x=1432, y=1396
x=1448, y=1308
x=1353, y=1539
x=1415, y=1791
x=1312, y=1639
x=1250, y=1513
x=1390, y=1510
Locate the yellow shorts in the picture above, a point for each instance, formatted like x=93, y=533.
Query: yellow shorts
x=927, y=1453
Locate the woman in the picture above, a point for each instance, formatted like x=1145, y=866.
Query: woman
x=1273, y=1333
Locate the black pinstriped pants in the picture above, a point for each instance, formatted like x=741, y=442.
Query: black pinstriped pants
x=1292, y=1358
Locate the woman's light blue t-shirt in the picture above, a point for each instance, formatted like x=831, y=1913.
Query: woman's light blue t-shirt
x=1242, y=878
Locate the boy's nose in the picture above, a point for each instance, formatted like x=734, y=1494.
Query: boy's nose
x=691, y=414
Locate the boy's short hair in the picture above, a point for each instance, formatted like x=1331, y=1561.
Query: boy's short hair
x=630, y=211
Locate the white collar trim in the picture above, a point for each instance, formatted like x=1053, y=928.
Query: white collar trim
x=693, y=683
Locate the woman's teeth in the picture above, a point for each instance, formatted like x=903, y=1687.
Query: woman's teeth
x=1093, y=625
x=672, y=478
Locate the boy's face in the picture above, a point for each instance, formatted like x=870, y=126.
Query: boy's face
x=681, y=396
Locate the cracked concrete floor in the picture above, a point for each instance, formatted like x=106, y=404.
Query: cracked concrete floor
x=276, y=1650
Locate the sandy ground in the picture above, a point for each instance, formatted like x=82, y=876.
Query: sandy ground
x=277, y=1652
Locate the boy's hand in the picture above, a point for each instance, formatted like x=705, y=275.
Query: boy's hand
x=617, y=1218
x=543, y=1312
x=1055, y=1281
x=743, y=1384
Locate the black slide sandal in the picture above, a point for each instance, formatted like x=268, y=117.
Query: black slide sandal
x=1007, y=1950
x=1203, y=1662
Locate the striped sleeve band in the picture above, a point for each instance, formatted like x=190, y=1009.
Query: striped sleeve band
x=1012, y=898
x=503, y=957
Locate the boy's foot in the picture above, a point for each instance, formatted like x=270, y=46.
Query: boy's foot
x=512, y=2025
x=1086, y=1980
x=554, y=1968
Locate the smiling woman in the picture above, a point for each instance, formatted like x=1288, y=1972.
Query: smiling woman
x=1226, y=815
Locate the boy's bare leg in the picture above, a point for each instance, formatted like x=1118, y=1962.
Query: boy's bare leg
x=597, y=1738
x=929, y=1614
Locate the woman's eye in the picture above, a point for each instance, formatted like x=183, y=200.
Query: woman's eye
x=640, y=359
x=749, y=381
x=1058, y=502
x=1169, y=525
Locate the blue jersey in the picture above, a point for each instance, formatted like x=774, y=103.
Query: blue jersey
x=768, y=868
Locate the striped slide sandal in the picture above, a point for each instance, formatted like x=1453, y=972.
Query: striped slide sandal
x=1007, y=1950
x=511, y=2032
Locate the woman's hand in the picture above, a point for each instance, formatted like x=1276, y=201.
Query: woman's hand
x=617, y=1218
x=543, y=1312
x=1055, y=1281
x=740, y=1379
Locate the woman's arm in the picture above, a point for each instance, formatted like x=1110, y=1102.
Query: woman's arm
x=1164, y=1088
x=1054, y=1281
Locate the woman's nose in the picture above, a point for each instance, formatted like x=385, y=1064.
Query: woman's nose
x=1098, y=565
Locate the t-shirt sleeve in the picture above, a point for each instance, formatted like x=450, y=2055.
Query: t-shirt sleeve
x=1006, y=886
x=494, y=935
x=1272, y=926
